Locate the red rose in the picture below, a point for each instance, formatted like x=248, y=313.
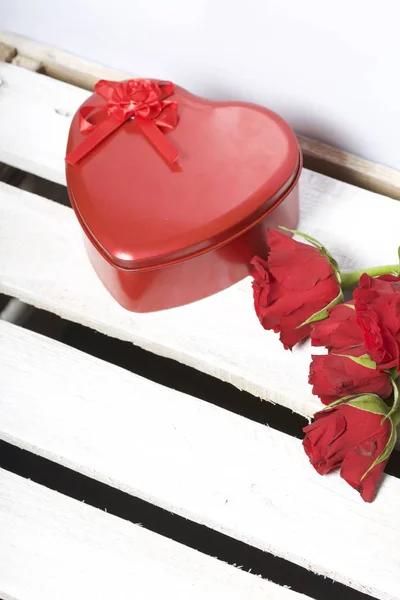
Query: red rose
x=295, y=282
x=353, y=439
x=334, y=377
x=340, y=333
x=381, y=344
x=377, y=302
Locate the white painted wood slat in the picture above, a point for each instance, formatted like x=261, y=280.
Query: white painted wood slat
x=42, y=262
x=256, y=485
x=220, y=335
x=53, y=547
x=58, y=63
x=214, y=467
x=35, y=115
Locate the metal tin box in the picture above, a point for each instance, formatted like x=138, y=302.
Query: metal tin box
x=160, y=232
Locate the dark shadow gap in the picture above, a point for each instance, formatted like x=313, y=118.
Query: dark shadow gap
x=34, y=184
x=158, y=520
x=4, y=300
x=177, y=376
x=167, y=372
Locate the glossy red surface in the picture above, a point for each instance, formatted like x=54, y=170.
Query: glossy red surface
x=159, y=237
x=147, y=290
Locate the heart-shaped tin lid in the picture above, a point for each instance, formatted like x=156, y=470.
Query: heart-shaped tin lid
x=236, y=161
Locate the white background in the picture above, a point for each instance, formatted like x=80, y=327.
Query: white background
x=331, y=68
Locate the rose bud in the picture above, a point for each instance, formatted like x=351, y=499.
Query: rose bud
x=377, y=303
x=334, y=377
x=296, y=283
x=356, y=437
x=340, y=333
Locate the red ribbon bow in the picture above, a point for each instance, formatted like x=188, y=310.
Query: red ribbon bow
x=139, y=98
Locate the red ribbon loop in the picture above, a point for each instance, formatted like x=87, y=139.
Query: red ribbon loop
x=142, y=99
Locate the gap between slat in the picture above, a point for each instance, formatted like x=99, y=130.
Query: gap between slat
x=175, y=376
x=54, y=547
x=204, y=463
x=192, y=535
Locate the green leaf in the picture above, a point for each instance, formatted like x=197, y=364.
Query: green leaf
x=387, y=451
x=371, y=403
x=396, y=398
x=322, y=314
x=364, y=360
x=342, y=400
x=318, y=245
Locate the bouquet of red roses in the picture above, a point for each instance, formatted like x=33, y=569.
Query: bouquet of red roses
x=298, y=293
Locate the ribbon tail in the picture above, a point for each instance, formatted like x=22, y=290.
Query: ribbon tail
x=84, y=124
x=158, y=139
x=90, y=142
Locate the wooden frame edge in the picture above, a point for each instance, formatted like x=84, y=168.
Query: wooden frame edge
x=80, y=72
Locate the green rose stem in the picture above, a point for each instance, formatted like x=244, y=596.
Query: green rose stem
x=395, y=410
x=396, y=418
x=346, y=280
x=350, y=279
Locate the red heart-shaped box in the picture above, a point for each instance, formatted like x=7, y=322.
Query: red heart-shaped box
x=160, y=237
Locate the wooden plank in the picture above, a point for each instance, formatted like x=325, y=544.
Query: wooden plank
x=43, y=263
x=26, y=62
x=352, y=169
x=219, y=335
x=54, y=547
x=211, y=466
x=15, y=311
x=317, y=156
x=7, y=52
x=35, y=115
x=249, y=361
x=62, y=65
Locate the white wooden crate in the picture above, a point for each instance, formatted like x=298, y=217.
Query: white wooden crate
x=215, y=468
